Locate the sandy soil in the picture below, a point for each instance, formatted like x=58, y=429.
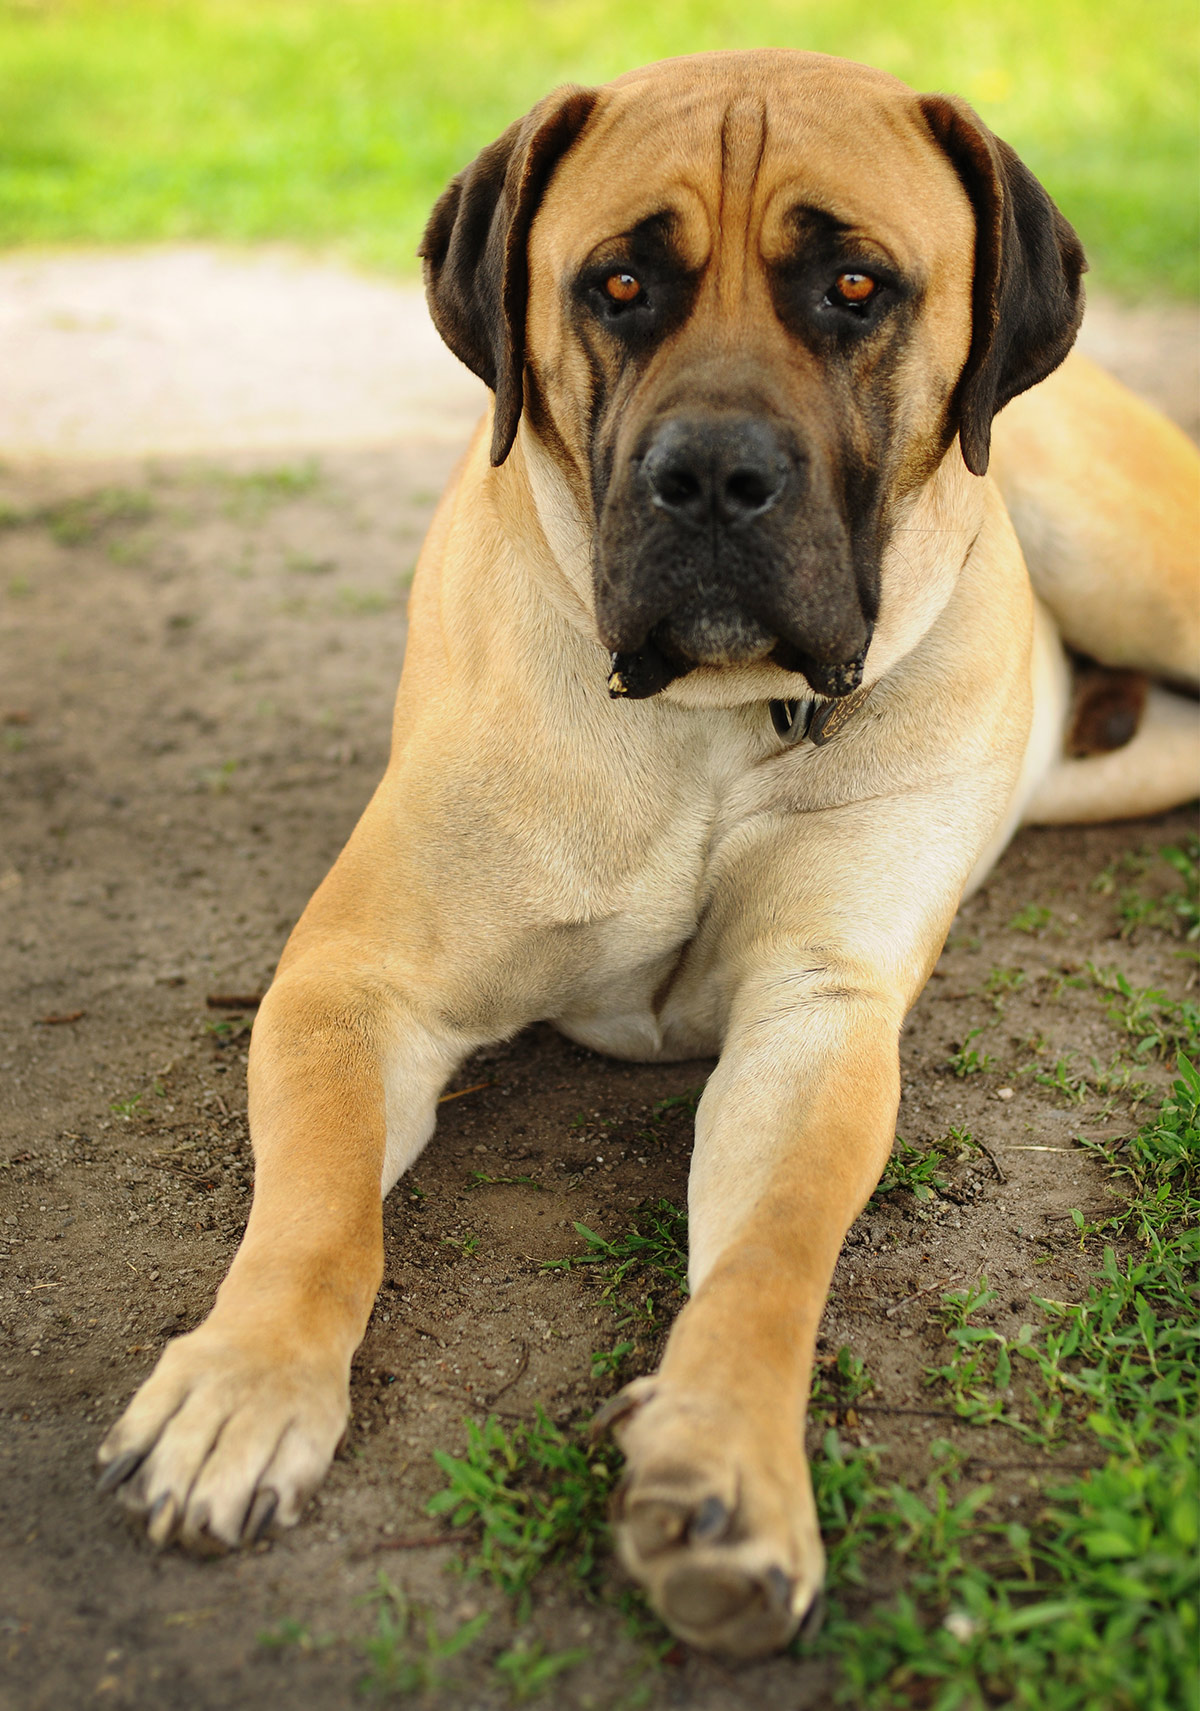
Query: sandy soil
x=201, y=626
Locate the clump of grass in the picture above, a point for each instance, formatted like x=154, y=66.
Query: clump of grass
x=1033, y=919
x=1175, y=910
x=1160, y=1025
x=1161, y=1164
x=79, y=520
x=538, y=1494
x=527, y=1669
x=406, y=1654
x=643, y=1271
x=968, y=1059
x=1094, y=1603
x=921, y=1172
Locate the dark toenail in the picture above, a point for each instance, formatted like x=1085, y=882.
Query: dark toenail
x=615, y=1409
x=260, y=1516
x=119, y=1470
x=814, y=1618
x=779, y=1588
x=710, y=1520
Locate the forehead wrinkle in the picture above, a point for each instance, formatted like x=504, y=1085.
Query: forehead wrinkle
x=743, y=146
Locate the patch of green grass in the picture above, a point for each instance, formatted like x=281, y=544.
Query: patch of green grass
x=1160, y=1164
x=364, y=602
x=1093, y=1603
x=968, y=1060
x=1033, y=919
x=1001, y=981
x=1063, y=1078
x=921, y=1172
x=1174, y=910
x=527, y=1669
x=251, y=494
x=1161, y=1026
x=644, y=1271
x=539, y=1495
x=81, y=519
x=290, y=1633
x=406, y=1654
x=337, y=125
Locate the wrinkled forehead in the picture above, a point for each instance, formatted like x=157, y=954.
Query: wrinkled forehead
x=739, y=142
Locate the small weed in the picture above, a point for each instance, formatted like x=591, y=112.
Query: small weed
x=304, y=564
x=1072, y=1084
x=686, y=1102
x=910, y=1168
x=76, y=522
x=216, y=779
x=406, y=1654
x=639, y=1266
x=290, y=1633
x=839, y=1381
x=527, y=1670
x=228, y=1030
x=126, y=1107
x=465, y=1245
x=1001, y=982
x=967, y=1060
x=1033, y=919
x=364, y=602
x=1175, y=911
x=607, y=1363
x=1162, y=1026
x=539, y=1496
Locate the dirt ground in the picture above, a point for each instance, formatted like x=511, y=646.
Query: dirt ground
x=198, y=654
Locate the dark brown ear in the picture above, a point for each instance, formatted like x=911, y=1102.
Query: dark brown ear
x=1027, y=295
x=474, y=248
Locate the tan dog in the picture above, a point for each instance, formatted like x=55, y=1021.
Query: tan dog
x=747, y=318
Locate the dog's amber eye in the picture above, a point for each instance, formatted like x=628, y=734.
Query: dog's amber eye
x=854, y=287
x=622, y=288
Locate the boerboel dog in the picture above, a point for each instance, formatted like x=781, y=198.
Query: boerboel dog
x=725, y=680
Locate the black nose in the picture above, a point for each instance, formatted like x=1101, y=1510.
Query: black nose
x=724, y=468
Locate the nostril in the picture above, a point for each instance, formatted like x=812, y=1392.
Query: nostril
x=750, y=490
x=676, y=487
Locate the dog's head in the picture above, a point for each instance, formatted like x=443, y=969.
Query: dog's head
x=748, y=301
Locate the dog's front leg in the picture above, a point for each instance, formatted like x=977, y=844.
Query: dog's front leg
x=716, y=1515
x=240, y=1419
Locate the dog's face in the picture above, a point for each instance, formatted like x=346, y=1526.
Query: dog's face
x=746, y=302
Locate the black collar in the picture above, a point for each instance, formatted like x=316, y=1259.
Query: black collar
x=814, y=721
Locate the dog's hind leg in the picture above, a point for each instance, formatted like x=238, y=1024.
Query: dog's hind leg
x=1157, y=769
x=240, y=1418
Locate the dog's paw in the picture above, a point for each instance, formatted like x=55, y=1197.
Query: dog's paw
x=715, y=1517
x=225, y=1441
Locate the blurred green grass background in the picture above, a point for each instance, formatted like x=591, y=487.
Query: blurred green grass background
x=334, y=123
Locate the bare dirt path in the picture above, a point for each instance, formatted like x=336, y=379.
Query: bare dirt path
x=216, y=476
